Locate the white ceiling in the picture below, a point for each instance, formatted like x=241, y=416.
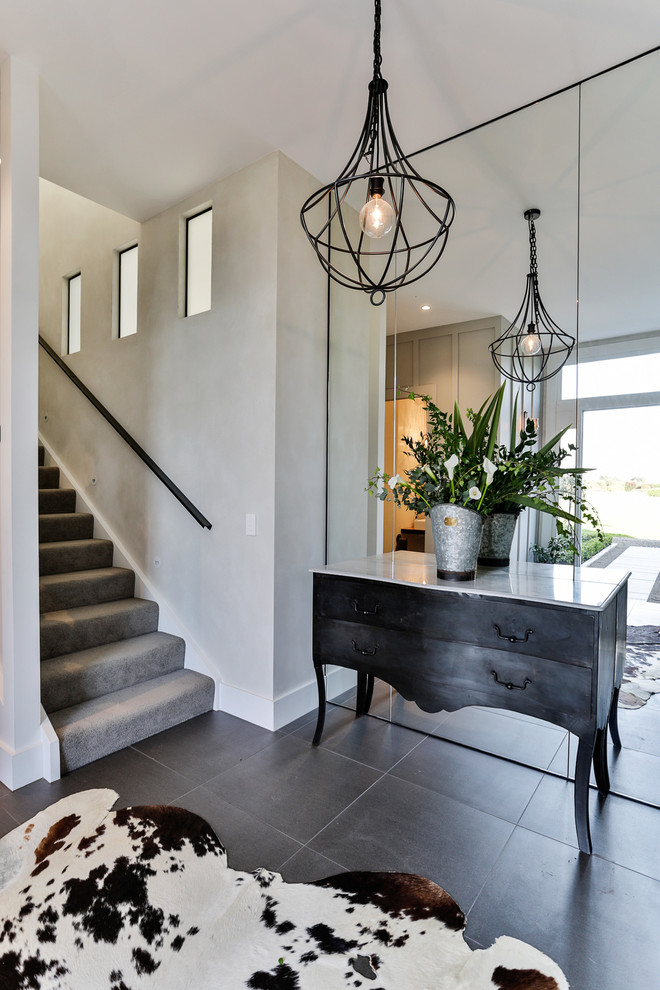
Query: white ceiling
x=145, y=101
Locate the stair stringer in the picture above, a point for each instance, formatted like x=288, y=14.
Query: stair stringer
x=195, y=658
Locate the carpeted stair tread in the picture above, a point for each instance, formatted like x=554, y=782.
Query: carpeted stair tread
x=87, y=674
x=75, y=629
x=106, y=724
x=75, y=588
x=74, y=555
x=55, y=527
x=49, y=477
x=56, y=500
x=109, y=678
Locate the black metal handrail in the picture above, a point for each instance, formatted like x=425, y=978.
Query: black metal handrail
x=125, y=435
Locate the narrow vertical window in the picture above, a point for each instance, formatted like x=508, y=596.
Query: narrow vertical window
x=128, y=292
x=199, y=245
x=74, y=287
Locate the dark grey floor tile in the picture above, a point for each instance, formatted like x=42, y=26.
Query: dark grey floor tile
x=639, y=729
x=136, y=778
x=307, y=865
x=249, y=842
x=296, y=787
x=632, y=774
x=371, y=741
x=622, y=831
x=7, y=823
x=309, y=718
x=207, y=745
x=399, y=826
x=25, y=802
x=598, y=921
x=532, y=743
x=480, y=781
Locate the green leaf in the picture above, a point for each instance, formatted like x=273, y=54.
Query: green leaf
x=514, y=420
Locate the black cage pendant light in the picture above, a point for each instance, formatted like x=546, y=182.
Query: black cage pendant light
x=404, y=218
x=533, y=348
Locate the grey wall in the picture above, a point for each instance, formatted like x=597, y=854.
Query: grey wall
x=231, y=404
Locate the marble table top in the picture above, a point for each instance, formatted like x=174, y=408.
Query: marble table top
x=551, y=583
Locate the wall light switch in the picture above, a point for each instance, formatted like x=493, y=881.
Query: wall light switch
x=250, y=524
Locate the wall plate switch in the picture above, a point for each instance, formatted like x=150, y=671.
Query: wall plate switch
x=250, y=524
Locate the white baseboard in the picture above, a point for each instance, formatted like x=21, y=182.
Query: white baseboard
x=18, y=768
x=276, y=714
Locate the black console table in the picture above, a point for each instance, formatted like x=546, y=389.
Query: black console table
x=528, y=638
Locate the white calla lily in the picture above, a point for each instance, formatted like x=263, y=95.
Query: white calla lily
x=394, y=481
x=474, y=492
x=490, y=470
x=450, y=464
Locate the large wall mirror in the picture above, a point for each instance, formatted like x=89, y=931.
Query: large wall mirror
x=589, y=159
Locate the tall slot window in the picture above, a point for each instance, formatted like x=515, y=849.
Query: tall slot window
x=199, y=251
x=127, y=308
x=73, y=309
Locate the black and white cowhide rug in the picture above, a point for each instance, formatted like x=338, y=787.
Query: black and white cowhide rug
x=641, y=672
x=95, y=899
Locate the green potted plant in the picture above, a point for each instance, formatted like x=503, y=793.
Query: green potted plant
x=462, y=477
x=450, y=480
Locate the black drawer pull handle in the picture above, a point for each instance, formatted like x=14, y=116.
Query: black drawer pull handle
x=513, y=639
x=365, y=611
x=365, y=653
x=509, y=685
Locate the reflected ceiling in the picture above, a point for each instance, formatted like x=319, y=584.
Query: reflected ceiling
x=592, y=152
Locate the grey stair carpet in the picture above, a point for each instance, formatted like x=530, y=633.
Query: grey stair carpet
x=57, y=500
x=77, y=677
x=95, y=728
x=57, y=526
x=93, y=625
x=109, y=678
x=49, y=477
x=74, y=555
x=68, y=590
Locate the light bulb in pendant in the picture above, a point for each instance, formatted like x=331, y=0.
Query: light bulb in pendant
x=531, y=344
x=376, y=216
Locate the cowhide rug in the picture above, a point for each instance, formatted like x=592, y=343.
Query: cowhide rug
x=641, y=672
x=142, y=897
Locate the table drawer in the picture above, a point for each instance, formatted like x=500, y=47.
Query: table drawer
x=441, y=675
x=563, y=634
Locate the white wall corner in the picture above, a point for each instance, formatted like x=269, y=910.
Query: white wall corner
x=50, y=745
x=265, y=712
x=20, y=742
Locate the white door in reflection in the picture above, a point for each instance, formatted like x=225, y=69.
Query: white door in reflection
x=623, y=447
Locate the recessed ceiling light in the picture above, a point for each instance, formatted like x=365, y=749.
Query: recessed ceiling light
x=426, y=307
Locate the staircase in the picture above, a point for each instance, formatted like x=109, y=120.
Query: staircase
x=108, y=677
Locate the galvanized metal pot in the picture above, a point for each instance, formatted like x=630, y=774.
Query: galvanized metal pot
x=496, y=539
x=456, y=535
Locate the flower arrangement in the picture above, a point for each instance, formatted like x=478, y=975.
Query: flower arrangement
x=466, y=466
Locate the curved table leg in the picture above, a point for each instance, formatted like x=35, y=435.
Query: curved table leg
x=614, y=720
x=369, y=693
x=320, y=721
x=361, y=694
x=365, y=690
x=581, y=793
x=601, y=770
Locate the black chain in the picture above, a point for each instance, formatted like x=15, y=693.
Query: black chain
x=377, y=56
x=533, y=262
